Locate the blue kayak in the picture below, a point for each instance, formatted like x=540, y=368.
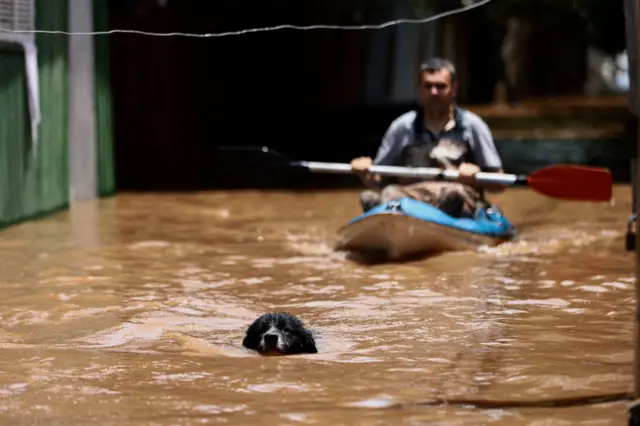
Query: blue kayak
x=407, y=227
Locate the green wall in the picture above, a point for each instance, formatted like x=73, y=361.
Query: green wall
x=104, y=127
x=35, y=183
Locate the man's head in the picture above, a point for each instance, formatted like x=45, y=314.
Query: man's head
x=438, y=83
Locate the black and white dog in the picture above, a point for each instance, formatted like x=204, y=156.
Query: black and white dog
x=279, y=333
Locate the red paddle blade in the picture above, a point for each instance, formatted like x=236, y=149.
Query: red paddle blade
x=571, y=182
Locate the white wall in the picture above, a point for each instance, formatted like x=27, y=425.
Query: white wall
x=82, y=139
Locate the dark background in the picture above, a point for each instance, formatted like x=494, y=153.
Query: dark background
x=176, y=99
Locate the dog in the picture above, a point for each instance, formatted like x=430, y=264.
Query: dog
x=279, y=333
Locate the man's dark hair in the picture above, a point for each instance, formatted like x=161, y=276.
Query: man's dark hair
x=437, y=64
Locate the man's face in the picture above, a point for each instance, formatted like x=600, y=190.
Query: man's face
x=436, y=90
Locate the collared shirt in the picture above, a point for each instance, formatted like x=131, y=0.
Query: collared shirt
x=466, y=138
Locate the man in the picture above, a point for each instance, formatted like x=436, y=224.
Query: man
x=437, y=134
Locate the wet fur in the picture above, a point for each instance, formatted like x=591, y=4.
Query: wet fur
x=280, y=333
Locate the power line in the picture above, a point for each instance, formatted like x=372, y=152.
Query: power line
x=387, y=24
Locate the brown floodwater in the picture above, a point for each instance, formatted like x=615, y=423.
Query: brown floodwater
x=131, y=311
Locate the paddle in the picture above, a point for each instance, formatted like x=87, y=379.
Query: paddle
x=563, y=181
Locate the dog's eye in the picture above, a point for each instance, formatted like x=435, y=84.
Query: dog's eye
x=287, y=329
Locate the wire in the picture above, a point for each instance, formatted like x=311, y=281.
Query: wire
x=274, y=28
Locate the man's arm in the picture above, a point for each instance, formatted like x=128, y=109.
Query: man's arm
x=485, y=152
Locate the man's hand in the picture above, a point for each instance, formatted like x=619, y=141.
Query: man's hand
x=361, y=165
x=467, y=173
x=467, y=176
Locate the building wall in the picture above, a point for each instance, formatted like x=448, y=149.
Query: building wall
x=394, y=55
x=35, y=182
x=34, y=179
x=103, y=102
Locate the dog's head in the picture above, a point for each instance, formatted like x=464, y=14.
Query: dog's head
x=279, y=333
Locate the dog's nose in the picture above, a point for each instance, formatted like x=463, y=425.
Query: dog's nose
x=271, y=339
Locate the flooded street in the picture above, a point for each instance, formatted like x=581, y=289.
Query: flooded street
x=132, y=312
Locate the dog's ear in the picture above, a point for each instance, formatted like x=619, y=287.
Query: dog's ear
x=252, y=337
x=309, y=343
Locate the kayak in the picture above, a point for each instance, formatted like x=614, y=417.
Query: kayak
x=407, y=227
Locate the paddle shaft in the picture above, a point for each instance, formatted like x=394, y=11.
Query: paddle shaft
x=561, y=181
x=425, y=173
